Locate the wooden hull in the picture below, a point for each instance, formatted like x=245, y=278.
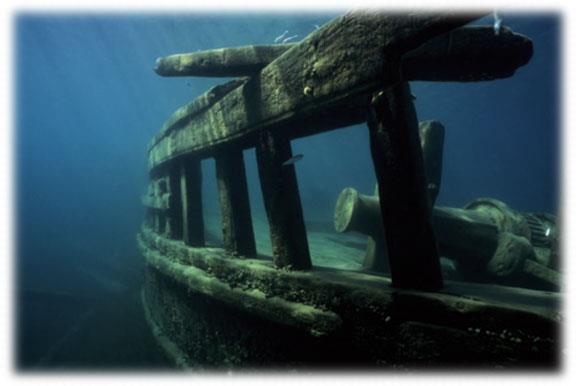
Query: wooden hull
x=211, y=310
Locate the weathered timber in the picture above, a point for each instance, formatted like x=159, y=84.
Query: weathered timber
x=376, y=257
x=468, y=54
x=466, y=236
x=282, y=202
x=237, y=230
x=299, y=315
x=359, y=213
x=272, y=281
x=180, y=359
x=542, y=272
x=191, y=194
x=160, y=189
x=432, y=142
x=174, y=214
x=398, y=162
x=478, y=324
x=184, y=114
x=465, y=54
x=480, y=240
x=157, y=202
x=155, y=221
x=225, y=62
x=323, y=76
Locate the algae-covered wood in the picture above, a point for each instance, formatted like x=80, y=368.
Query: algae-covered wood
x=191, y=195
x=432, y=141
x=235, y=216
x=347, y=58
x=404, y=203
x=465, y=54
x=235, y=61
x=282, y=202
x=157, y=202
x=362, y=312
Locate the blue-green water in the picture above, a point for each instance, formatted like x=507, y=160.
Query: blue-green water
x=88, y=102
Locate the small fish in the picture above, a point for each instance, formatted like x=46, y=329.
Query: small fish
x=497, y=23
x=293, y=160
x=316, y=26
x=413, y=97
x=278, y=38
x=547, y=232
x=286, y=40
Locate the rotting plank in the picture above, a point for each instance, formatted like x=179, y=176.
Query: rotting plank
x=459, y=305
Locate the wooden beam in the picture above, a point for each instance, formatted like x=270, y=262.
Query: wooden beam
x=463, y=55
x=282, y=202
x=227, y=62
x=398, y=162
x=191, y=193
x=237, y=230
x=182, y=116
x=468, y=54
x=349, y=58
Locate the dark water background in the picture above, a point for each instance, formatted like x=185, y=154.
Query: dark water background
x=88, y=102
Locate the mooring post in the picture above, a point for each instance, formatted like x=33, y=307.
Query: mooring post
x=282, y=201
x=174, y=217
x=191, y=193
x=237, y=230
x=398, y=162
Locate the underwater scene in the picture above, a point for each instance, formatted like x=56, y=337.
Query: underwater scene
x=287, y=191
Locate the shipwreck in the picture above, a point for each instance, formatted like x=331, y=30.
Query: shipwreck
x=230, y=307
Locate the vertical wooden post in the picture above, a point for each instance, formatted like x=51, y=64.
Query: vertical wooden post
x=161, y=189
x=150, y=215
x=398, y=162
x=237, y=230
x=192, y=211
x=376, y=258
x=282, y=202
x=174, y=216
x=432, y=141
x=156, y=221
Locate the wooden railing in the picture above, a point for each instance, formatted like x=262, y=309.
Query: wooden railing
x=354, y=69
